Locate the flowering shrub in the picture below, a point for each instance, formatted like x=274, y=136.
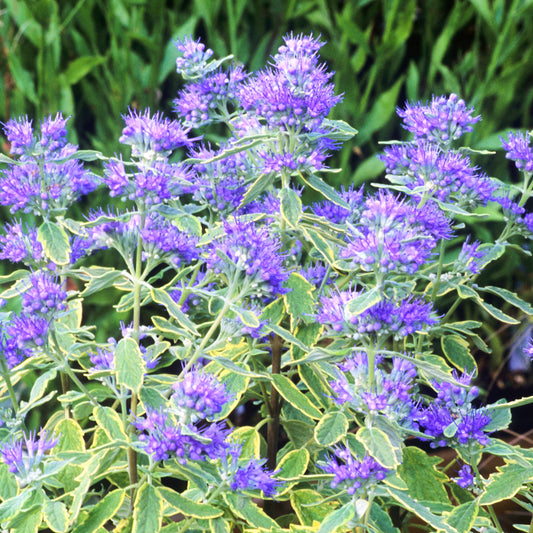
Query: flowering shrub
x=333, y=322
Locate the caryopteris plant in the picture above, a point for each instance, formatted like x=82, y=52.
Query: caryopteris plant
x=282, y=366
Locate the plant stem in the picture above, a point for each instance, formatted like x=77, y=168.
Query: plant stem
x=132, y=454
x=9, y=385
x=273, y=425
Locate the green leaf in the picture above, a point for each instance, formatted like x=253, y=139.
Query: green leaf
x=8, y=483
x=39, y=387
x=70, y=439
x=98, y=278
x=129, y=364
x=315, y=381
x=382, y=111
x=299, y=301
x=420, y=510
x=510, y=297
x=274, y=311
x=261, y=184
x=331, y=428
x=188, y=507
x=242, y=506
x=299, y=432
x=103, y=511
x=295, y=396
x=342, y=131
x=320, y=244
x=249, y=440
x=248, y=317
x=462, y=518
x=456, y=349
x=499, y=418
x=291, y=206
x=162, y=297
x=338, y=518
x=27, y=520
x=309, y=506
x=364, y=301
x=379, y=446
x=148, y=510
x=318, y=184
x=506, y=483
x=80, y=67
x=496, y=313
x=110, y=422
x=56, y=516
x=381, y=521
x=419, y=472
x=55, y=242
x=12, y=506
x=294, y=464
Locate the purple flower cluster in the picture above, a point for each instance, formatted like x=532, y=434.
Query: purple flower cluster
x=43, y=295
x=354, y=475
x=163, y=439
x=442, y=121
x=198, y=395
x=219, y=185
x=25, y=455
x=251, y=253
x=150, y=135
x=470, y=257
x=392, y=235
x=24, y=334
x=26, y=143
x=386, y=318
x=296, y=92
x=392, y=394
x=192, y=62
x=42, y=180
x=518, y=150
x=155, y=184
x=446, y=175
x=248, y=474
x=207, y=99
x=20, y=244
x=451, y=419
x=465, y=479
x=161, y=239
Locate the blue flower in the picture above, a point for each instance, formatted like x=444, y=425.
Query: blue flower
x=20, y=244
x=192, y=62
x=442, y=121
x=352, y=474
x=465, y=479
x=251, y=253
x=198, y=395
x=518, y=150
x=392, y=393
x=154, y=136
x=25, y=455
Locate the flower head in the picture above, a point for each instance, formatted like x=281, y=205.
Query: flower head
x=153, y=136
x=198, y=395
x=351, y=473
x=192, y=62
x=20, y=243
x=518, y=150
x=442, y=121
x=251, y=252
x=392, y=393
x=25, y=455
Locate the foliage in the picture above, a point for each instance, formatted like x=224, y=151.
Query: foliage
x=335, y=320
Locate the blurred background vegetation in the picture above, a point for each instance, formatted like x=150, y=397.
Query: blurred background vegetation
x=93, y=58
